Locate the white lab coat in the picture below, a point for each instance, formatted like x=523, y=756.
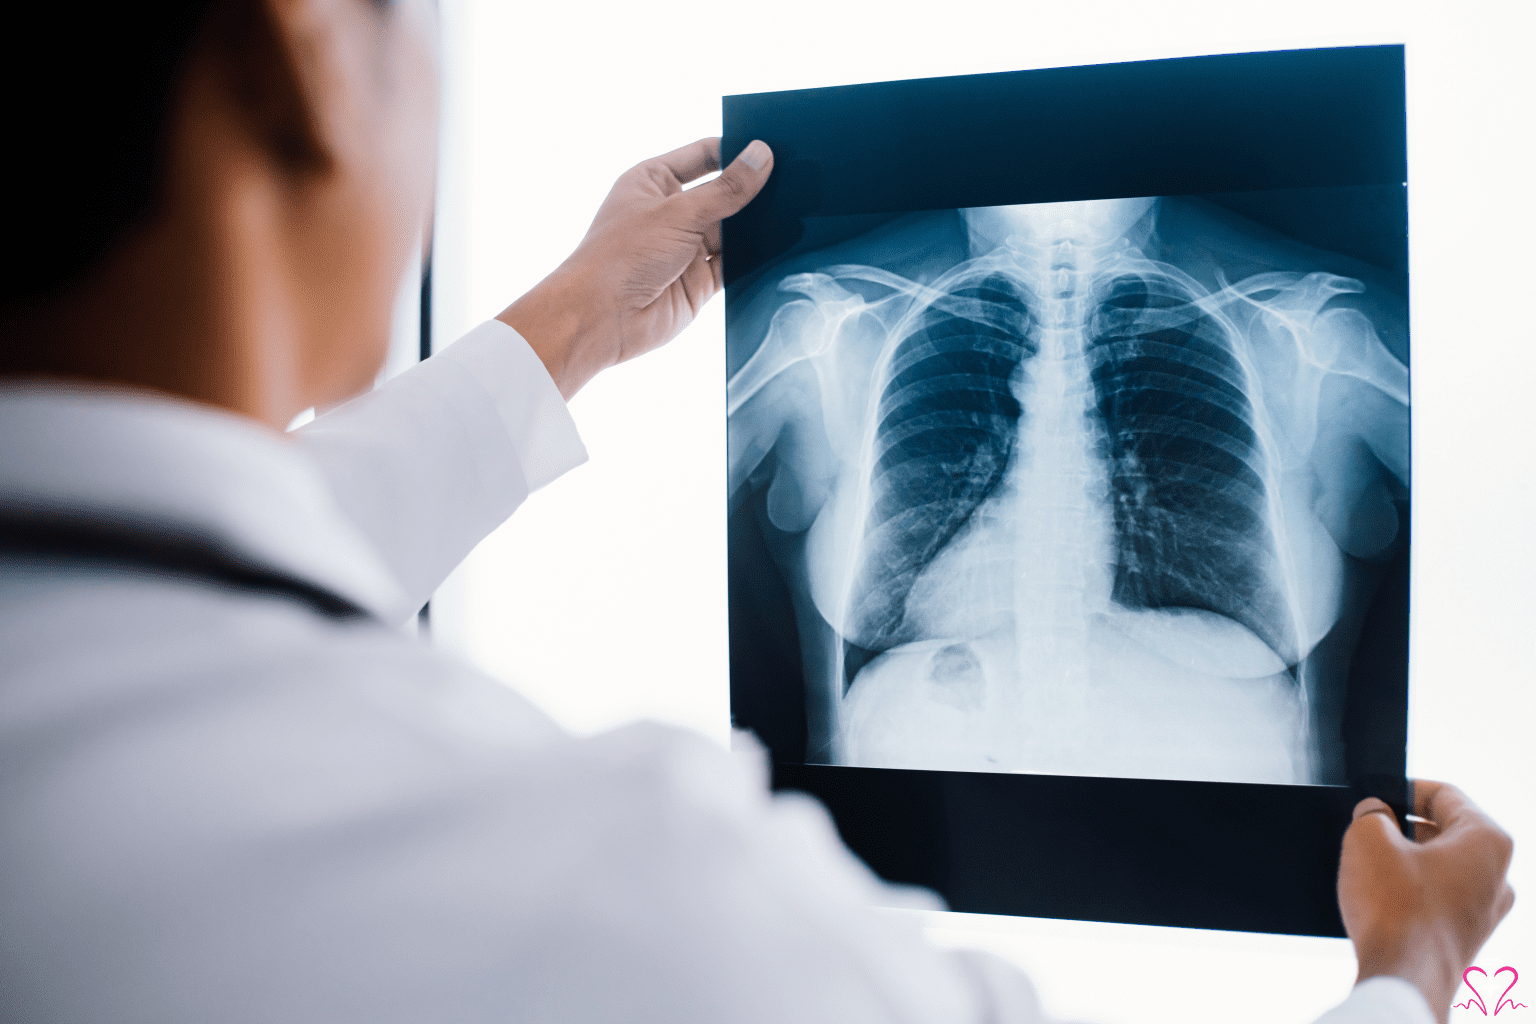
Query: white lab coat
x=217, y=804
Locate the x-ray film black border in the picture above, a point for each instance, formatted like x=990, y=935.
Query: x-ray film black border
x=1184, y=126
x=1211, y=855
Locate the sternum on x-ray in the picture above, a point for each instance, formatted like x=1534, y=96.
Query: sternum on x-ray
x=1086, y=488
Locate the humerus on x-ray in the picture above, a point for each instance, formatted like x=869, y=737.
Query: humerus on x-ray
x=1075, y=488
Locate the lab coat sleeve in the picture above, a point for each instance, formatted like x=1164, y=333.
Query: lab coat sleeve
x=1381, y=1000
x=431, y=462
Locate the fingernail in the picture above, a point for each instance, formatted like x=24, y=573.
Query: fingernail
x=1366, y=806
x=755, y=155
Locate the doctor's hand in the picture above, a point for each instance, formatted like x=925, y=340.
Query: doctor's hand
x=649, y=262
x=1421, y=910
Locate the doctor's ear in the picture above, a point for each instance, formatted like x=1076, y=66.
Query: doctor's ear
x=300, y=73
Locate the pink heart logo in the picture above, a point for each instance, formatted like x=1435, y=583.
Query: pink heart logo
x=1476, y=999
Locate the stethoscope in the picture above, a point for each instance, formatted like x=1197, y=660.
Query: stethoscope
x=160, y=550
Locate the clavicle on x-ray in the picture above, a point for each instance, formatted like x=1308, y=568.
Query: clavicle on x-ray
x=1078, y=495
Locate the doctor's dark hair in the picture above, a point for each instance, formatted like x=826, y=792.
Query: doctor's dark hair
x=91, y=91
x=90, y=117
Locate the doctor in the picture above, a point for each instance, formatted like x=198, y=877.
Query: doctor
x=230, y=789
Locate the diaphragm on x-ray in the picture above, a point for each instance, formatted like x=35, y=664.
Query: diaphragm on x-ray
x=1086, y=488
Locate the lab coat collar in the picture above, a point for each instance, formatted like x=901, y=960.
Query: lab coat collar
x=131, y=456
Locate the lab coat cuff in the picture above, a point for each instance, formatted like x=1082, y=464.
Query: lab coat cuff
x=530, y=406
x=1381, y=1000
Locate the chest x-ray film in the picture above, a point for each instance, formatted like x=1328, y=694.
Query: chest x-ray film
x=1072, y=439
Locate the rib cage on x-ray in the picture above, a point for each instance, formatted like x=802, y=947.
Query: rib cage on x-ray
x=1068, y=509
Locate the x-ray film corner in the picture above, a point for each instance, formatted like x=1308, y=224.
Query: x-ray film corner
x=1098, y=488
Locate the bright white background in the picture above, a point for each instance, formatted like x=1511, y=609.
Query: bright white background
x=604, y=598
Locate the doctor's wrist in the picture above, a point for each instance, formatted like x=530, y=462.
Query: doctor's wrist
x=1422, y=965
x=562, y=324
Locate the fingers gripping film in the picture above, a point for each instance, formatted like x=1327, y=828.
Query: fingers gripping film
x=737, y=185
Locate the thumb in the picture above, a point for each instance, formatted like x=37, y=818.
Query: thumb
x=735, y=188
x=1374, y=823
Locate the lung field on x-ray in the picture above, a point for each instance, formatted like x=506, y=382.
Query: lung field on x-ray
x=1095, y=488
